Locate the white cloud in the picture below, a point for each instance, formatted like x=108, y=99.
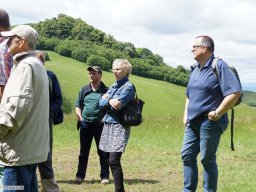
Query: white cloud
x=166, y=27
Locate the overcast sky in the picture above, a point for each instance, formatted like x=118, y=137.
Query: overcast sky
x=166, y=27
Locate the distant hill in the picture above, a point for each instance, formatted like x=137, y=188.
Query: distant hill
x=76, y=39
x=249, y=86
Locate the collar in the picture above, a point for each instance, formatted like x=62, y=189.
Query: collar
x=121, y=82
x=101, y=87
x=18, y=57
x=209, y=62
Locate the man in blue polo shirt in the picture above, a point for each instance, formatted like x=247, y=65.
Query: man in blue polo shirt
x=205, y=115
x=90, y=124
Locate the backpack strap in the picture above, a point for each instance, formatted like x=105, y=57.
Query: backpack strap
x=232, y=129
x=215, y=66
x=216, y=72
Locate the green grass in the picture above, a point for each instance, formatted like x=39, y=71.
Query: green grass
x=151, y=162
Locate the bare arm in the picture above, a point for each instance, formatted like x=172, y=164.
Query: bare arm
x=78, y=113
x=227, y=103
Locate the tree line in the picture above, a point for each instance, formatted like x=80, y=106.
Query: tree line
x=75, y=38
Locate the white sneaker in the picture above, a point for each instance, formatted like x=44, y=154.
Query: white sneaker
x=104, y=181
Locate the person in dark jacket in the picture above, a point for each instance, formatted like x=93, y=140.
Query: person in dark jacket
x=90, y=123
x=48, y=181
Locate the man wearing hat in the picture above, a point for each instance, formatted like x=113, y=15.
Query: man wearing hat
x=24, y=112
x=90, y=123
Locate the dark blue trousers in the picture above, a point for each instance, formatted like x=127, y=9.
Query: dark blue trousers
x=45, y=168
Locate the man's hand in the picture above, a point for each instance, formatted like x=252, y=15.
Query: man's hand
x=212, y=115
x=185, y=121
x=78, y=125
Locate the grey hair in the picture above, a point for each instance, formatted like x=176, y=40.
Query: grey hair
x=207, y=42
x=41, y=55
x=125, y=64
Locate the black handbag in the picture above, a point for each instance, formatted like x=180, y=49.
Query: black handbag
x=131, y=114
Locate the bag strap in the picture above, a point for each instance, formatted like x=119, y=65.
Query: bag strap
x=216, y=72
x=136, y=96
x=215, y=66
x=232, y=129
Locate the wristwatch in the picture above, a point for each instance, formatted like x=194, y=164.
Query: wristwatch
x=216, y=115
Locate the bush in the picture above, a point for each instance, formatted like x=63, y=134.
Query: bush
x=47, y=43
x=99, y=61
x=80, y=54
x=64, y=50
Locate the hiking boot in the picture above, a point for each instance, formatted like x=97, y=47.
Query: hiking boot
x=50, y=185
x=104, y=181
x=78, y=180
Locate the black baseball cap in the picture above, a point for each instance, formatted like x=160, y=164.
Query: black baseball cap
x=94, y=68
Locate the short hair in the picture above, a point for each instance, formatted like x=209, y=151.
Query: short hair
x=4, y=19
x=207, y=42
x=125, y=64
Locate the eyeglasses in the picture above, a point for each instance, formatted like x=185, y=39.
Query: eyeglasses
x=116, y=69
x=194, y=47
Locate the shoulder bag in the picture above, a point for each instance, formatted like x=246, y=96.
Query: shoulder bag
x=131, y=114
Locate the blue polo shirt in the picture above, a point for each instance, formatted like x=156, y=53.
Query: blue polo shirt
x=205, y=92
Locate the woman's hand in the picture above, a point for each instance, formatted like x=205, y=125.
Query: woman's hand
x=115, y=103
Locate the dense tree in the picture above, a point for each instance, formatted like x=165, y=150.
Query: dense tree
x=80, y=54
x=158, y=59
x=144, y=53
x=48, y=43
x=97, y=36
x=81, y=30
x=108, y=41
x=99, y=61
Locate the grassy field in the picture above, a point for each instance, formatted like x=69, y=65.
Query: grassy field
x=151, y=162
